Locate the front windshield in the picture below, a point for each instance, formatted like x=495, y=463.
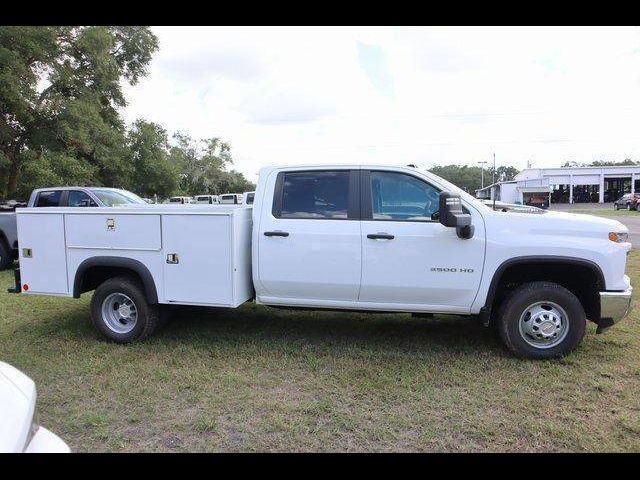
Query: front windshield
x=114, y=198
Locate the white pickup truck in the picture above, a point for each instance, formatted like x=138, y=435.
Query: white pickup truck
x=367, y=238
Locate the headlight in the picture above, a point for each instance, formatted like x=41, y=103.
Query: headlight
x=618, y=237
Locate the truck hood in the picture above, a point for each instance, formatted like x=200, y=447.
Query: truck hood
x=561, y=224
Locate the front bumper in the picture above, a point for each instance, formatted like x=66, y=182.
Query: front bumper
x=614, y=306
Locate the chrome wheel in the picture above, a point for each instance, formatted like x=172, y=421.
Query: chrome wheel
x=119, y=313
x=544, y=324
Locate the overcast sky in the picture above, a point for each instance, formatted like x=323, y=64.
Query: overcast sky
x=399, y=95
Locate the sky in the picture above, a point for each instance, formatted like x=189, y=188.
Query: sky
x=398, y=95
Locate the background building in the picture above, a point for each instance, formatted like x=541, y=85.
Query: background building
x=566, y=185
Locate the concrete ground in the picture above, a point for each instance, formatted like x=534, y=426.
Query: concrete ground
x=630, y=219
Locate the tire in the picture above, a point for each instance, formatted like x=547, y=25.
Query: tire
x=547, y=306
x=615, y=207
x=5, y=256
x=120, y=311
x=629, y=206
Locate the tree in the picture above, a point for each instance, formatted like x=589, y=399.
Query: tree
x=153, y=172
x=470, y=178
x=60, y=91
x=203, y=166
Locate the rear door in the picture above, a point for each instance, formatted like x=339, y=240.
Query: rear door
x=309, y=247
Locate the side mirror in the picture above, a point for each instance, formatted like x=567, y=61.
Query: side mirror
x=452, y=215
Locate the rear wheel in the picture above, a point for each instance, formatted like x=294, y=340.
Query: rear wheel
x=120, y=311
x=541, y=320
x=615, y=206
x=5, y=256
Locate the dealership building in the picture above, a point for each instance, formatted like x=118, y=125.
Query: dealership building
x=565, y=185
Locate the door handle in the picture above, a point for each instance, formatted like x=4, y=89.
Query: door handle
x=276, y=233
x=380, y=236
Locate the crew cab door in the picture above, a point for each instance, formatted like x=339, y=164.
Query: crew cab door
x=309, y=248
x=408, y=258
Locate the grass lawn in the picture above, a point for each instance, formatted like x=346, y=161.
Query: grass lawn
x=263, y=379
x=605, y=212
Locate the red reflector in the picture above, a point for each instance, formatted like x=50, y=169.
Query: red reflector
x=25, y=287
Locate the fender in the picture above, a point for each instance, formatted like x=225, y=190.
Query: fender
x=120, y=262
x=485, y=312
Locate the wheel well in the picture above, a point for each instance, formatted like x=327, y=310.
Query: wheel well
x=583, y=279
x=94, y=271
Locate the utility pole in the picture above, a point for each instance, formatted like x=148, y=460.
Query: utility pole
x=482, y=173
x=494, y=180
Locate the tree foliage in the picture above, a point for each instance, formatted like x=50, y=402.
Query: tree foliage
x=470, y=178
x=601, y=163
x=203, y=166
x=60, y=100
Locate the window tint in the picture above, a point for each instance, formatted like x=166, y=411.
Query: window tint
x=315, y=195
x=80, y=199
x=49, y=199
x=396, y=196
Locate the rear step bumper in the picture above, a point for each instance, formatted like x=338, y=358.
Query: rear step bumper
x=18, y=287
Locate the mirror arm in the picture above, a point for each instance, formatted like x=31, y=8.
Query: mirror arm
x=465, y=232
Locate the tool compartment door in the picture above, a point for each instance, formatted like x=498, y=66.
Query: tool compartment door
x=202, y=248
x=45, y=269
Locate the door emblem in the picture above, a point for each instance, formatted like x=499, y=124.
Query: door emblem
x=111, y=225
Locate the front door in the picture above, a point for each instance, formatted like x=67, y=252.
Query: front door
x=309, y=239
x=408, y=257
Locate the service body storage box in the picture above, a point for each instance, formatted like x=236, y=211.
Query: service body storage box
x=197, y=255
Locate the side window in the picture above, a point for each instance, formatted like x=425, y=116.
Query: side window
x=397, y=196
x=49, y=199
x=314, y=194
x=80, y=199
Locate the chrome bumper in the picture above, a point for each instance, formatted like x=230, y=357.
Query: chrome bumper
x=614, y=306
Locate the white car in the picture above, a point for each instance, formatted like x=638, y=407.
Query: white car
x=206, y=199
x=18, y=430
x=230, y=198
x=180, y=200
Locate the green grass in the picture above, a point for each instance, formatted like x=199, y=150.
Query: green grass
x=605, y=212
x=259, y=379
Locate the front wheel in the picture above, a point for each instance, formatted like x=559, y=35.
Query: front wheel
x=541, y=320
x=120, y=311
x=629, y=206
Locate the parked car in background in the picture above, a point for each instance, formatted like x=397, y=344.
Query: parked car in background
x=231, y=198
x=628, y=201
x=59, y=197
x=180, y=200
x=206, y=199
x=248, y=197
x=19, y=432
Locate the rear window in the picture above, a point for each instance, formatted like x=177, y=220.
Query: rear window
x=318, y=195
x=49, y=199
x=249, y=200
